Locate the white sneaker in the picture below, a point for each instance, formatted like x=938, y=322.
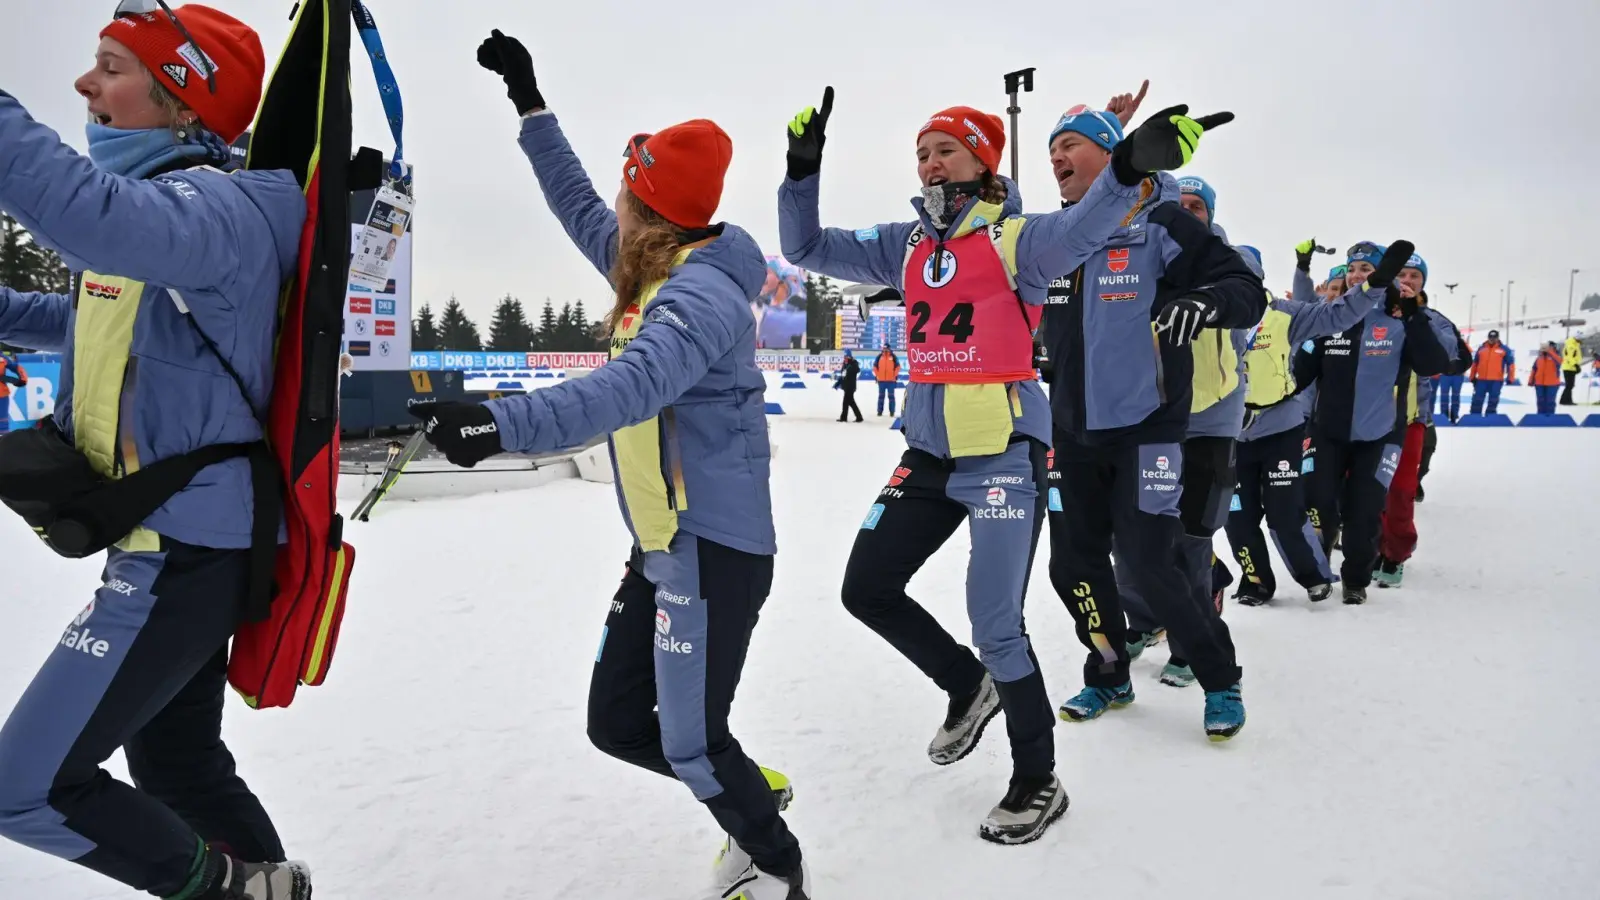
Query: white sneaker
x=731, y=864
x=265, y=881
x=964, y=723
x=1025, y=812
x=754, y=884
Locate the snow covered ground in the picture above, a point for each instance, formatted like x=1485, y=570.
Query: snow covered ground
x=1438, y=742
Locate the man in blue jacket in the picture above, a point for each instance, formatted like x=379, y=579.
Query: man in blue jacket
x=1119, y=330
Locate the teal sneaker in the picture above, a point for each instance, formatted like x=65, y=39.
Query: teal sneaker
x=1092, y=702
x=1224, y=713
x=1177, y=674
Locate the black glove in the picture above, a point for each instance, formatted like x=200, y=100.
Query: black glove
x=1166, y=141
x=1182, y=320
x=807, y=133
x=1394, y=259
x=466, y=432
x=506, y=57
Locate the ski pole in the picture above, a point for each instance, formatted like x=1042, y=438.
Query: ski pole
x=1021, y=79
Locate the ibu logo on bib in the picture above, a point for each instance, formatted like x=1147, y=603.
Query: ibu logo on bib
x=947, y=269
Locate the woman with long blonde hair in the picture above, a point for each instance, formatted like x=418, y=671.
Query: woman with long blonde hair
x=684, y=405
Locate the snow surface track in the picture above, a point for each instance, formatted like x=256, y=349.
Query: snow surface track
x=1438, y=742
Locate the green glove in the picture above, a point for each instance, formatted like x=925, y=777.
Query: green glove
x=807, y=134
x=1303, y=252
x=1166, y=141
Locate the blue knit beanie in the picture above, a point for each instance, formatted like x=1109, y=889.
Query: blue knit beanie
x=1420, y=264
x=1367, y=252
x=1099, y=126
x=1190, y=184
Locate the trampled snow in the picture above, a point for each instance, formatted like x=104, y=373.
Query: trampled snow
x=1439, y=742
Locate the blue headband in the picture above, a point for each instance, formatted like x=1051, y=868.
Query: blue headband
x=1101, y=127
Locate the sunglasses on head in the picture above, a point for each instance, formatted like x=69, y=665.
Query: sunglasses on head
x=201, y=62
x=1365, y=248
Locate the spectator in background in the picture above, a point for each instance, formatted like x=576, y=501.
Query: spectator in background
x=1571, y=362
x=849, y=369
x=1546, y=378
x=1492, y=366
x=11, y=375
x=887, y=371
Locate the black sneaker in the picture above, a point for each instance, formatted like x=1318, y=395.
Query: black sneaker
x=1027, y=809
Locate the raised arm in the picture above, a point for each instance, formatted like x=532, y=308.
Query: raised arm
x=1053, y=244
x=590, y=224
x=1318, y=319
x=178, y=230
x=872, y=255
x=567, y=189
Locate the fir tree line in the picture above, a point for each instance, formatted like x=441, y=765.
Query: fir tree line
x=568, y=331
x=28, y=266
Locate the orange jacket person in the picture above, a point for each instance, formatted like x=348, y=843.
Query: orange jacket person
x=1492, y=366
x=1546, y=378
x=11, y=374
x=886, y=369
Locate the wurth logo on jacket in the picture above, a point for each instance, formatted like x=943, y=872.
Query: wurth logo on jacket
x=1363, y=397
x=1112, y=377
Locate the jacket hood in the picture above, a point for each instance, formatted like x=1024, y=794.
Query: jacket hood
x=283, y=205
x=736, y=254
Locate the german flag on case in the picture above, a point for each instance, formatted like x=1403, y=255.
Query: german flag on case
x=304, y=125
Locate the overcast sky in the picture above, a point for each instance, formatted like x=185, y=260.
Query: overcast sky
x=1469, y=128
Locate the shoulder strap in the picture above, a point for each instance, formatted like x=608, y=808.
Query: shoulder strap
x=265, y=481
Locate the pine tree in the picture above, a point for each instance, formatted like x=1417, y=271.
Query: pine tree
x=562, y=342
x=509, y=330
x=545, y=337
x=456, y=331
x=583, y=328
x=424, y=333
x=25, y=265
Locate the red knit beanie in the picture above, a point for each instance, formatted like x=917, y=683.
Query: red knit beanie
x=230, y=47
x=984, y=135
x=678, y=171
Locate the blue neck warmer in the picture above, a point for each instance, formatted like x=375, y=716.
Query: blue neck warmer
x=137, y=153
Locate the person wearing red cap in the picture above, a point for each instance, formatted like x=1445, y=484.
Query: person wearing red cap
x=169, y=332
x=973, y=272
x=683, y=404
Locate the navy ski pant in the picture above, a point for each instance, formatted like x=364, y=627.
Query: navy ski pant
x=143, y=668
x=1001, y=499
x=1270, y=482
x=671, y=654
x=1348, y=488
x=1133, y=492
x=1208, y=478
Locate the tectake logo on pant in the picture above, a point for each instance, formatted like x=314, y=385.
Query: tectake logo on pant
x=665, y=642
x=997, y=507
x=80, y=638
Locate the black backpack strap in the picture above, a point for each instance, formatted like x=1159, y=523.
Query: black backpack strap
x=266, y=486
